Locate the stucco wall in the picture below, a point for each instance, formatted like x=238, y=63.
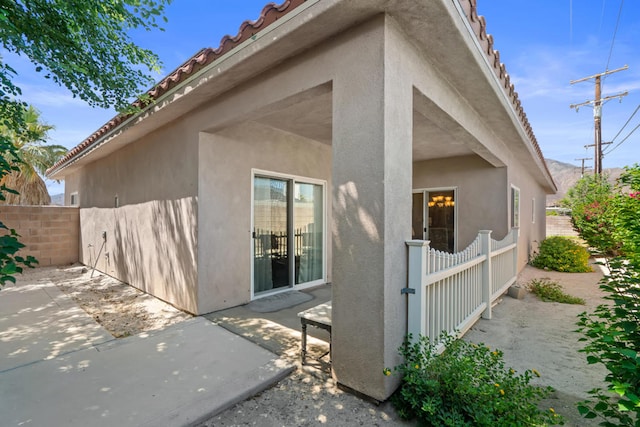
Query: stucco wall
x=225, y=241
x=160, y=166
x=532, y=210
x=50, y=233
x=151, y=238
x=481, y=201
x=189, y=184
x=151, y=246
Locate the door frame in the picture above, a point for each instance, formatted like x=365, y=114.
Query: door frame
x=425, y=211
x=292, y=179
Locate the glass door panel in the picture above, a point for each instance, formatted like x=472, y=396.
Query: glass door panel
x=417, y=217
x=441, y=220
x=309, y=232
x=271, y=219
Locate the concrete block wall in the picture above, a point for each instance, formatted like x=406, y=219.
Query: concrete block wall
x=560, y=226
x=50, y=233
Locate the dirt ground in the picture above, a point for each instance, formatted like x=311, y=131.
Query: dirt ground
x=121, y=309
x=531, y=333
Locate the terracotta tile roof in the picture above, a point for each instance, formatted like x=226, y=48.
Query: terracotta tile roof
x=479, y=26
x=270, y=13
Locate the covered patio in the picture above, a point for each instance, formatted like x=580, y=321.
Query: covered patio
x=273, y=323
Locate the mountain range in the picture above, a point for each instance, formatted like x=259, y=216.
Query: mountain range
x=566, y=175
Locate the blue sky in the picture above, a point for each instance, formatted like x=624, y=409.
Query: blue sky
x=544, y=43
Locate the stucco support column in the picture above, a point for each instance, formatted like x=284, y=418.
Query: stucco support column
x=372, y=179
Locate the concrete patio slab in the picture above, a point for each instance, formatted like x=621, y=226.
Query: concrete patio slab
x=174, y=377
x=59, y=367
x=39, y=322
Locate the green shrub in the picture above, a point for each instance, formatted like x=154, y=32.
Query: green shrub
x=550, y=291
x=562, y=254
x=613, y=339
x=467, y=385
x=590, y=201
x=611, y=332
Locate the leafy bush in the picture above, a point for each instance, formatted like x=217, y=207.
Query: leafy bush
x=627, y=212
x=611, y=332
x=467, y=385
x=613, y=339
x=591, y=214
x=547, y=290
x=562, y=254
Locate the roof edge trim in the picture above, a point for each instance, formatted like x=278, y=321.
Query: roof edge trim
x=200, y=63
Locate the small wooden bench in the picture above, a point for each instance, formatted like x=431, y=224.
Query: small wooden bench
x=320, y=317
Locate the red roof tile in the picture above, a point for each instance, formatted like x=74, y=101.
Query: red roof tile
x=272, y=12
x=479, y=26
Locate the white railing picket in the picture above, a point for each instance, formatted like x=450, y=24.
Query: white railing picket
x=450, y=292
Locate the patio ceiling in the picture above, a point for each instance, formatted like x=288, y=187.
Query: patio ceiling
x=312, y=118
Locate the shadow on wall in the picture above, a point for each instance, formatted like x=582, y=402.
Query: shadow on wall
x=155, y=249
x=359, y=240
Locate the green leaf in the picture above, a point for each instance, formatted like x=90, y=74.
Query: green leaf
x=593, y=359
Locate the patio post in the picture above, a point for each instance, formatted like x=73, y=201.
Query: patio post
x=372, y=182
x=485, y=247
x=418, y=264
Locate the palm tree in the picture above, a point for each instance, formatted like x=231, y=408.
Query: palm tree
x=36, y=159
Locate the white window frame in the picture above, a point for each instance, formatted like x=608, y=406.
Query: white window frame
x=74, y=199
x=533, y=210
x=515, y=199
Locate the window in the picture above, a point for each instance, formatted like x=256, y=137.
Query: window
x=73, y=199
x=533, y=210
x=515, y=206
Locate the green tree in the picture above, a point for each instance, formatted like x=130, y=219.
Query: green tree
x=590, y=201
x=36, y=159
x=82, y=45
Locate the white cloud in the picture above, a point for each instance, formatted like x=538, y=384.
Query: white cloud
x=46, y=96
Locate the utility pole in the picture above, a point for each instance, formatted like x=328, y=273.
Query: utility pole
x=597, y=112
x=599, y=150
x=582, y=170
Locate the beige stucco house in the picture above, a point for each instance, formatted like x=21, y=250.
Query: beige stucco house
x=307, y=150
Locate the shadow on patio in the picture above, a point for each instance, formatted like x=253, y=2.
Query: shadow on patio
x=272, y=322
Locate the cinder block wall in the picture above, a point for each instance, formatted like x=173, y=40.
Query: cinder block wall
x=560, y=226
x=50, y=233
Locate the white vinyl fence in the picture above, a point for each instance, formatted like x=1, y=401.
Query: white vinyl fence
x=450, y=292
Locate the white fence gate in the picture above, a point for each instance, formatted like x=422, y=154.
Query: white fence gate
x=450, y=292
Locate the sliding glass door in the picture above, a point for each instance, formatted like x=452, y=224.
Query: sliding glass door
x=288, y=233
x=309, y=232
x=270, y=234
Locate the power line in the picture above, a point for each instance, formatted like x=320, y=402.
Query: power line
x=613, y=39
x=597, y=112
x=625, y=138
x=583, y=167
x=571, y=22
x=625, y=125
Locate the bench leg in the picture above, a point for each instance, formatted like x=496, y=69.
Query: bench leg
x=304, y=342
